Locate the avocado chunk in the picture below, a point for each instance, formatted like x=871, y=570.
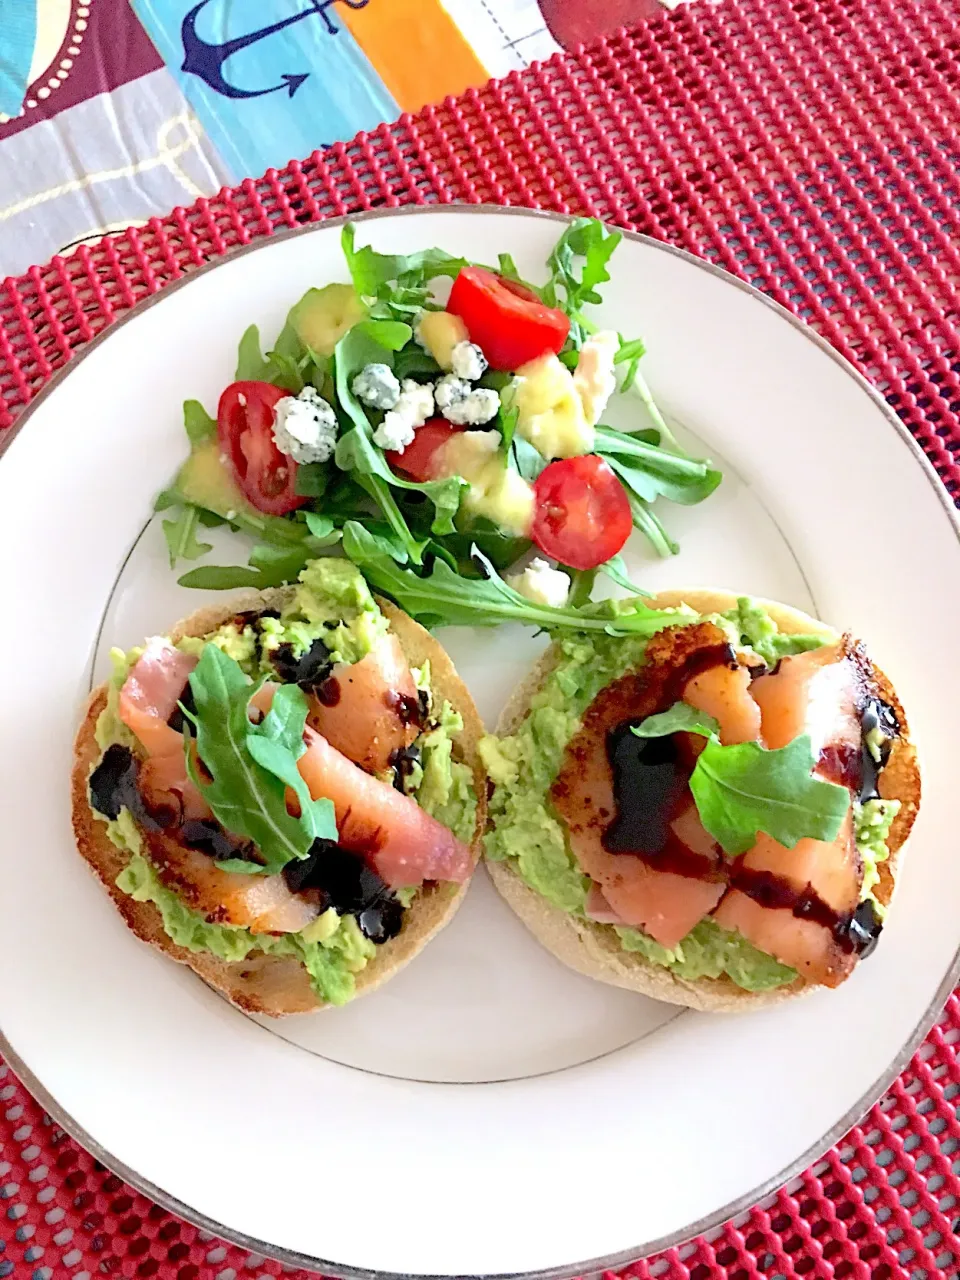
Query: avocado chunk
x=204, y=481
x=323, y=316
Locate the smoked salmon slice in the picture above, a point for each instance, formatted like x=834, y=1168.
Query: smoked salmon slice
x=817, y=693
x=369, y=709
x=164, y=784
x=151, y=691
x=661, y=902
x=262, y=904
x=833, y=869
x=405, y=844
x=724, y=693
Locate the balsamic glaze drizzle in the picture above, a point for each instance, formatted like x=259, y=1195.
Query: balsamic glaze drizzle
x=651, y=784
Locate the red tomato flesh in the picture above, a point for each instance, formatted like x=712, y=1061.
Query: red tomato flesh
x=582, y=514
x=267, y=477
x=419, y=459
x=507, y=321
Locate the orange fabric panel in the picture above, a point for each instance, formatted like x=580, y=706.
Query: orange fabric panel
x=416, y=48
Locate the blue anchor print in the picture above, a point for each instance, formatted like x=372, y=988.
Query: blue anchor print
x=205, y=59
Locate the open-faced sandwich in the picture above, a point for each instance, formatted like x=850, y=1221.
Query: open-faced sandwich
x=713, y=816
x=284, y=793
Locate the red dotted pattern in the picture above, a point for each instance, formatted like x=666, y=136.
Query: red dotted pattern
x=811, y=147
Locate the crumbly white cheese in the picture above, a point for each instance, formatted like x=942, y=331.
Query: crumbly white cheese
x=377, y=386
x=468, y=361
x=305, y=427
x=413, y=408
x=594, y=376
x=541, y=584
x=464, y=405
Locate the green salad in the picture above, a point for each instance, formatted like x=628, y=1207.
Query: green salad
x=438, y=443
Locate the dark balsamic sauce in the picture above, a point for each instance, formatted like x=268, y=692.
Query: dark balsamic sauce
x=854, y=932
x=113, y=786
x=114, y=781
x=649, y=786
x=876, y=715
x=402, y=762
x=209, y=837
x=347, y=883
x=651, y=781
x=328, y=693
x=186, y=700
x=309, y=670
x=406, y=705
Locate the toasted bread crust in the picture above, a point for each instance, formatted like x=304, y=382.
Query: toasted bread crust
x=594, y=949
x=278, y=985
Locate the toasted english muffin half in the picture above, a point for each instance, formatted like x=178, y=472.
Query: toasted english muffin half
x=271, y=984
x=594, y=949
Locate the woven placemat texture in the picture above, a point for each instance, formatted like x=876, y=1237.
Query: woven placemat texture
x=809, y=147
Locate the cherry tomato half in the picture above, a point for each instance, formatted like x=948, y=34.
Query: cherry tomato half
x=582, y=515
x=418, y=460
x=267, y=477
x=507, y=321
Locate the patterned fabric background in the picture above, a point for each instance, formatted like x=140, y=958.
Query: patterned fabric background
x=112, y=111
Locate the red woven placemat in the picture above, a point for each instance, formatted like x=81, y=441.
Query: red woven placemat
x=808, y=146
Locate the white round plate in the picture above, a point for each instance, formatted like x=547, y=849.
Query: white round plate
x=488, y=1112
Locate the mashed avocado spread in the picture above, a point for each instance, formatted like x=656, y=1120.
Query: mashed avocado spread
x=525, y=829
x=332, y=600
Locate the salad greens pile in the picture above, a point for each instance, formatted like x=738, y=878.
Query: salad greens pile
x=413, y=539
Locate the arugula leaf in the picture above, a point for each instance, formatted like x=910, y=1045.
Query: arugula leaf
x=272, y=564
x=166, y=499
x=648, y=483
x=507, y=267
x=200, y=427
x=650, y=524
x=276, y=744
x=571, y=285
x=503, y=549
x=248, y=799
x=321, y=527
x=285, y=364
x=581, y=587
x=630, y=353
x=507, y=422
x=528, y=460
x=370, y=270
x=680, y=718
x=414, y=360
x=616, y=569
x=251, y=366
x=743, y=788
x=181, y=536
x=639, y=384
x=448, y=598
x=392, y=334
x=312, y=479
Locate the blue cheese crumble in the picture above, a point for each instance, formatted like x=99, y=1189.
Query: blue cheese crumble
x=464, y=405
x=305, y=427
x=377, y=386
x=413, y=408
x=468, y=361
